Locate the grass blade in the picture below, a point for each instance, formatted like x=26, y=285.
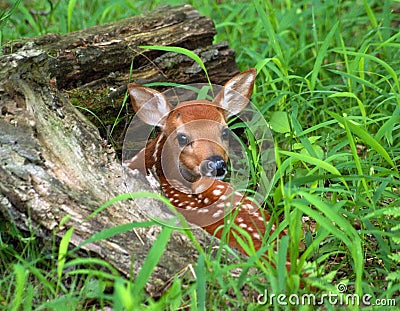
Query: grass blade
x=367, y=138
x=62, y=253
x=4, y=16
x=151, y=261
x=351, y=95
x=201, y=283
x=110, y=232
x=357, y=160
x=30, y=19
x=346, y=232
x=20, y=285
x=387, y=128
x=180, y=50
x=269, y=30
x=123, y=300
x=324, y=221
x=315, y=161
x=370, y=14
x=281, y=265
x=71, y=6
x=381, y=62
x=128, y=196
x=321, y=56
x=86, y=261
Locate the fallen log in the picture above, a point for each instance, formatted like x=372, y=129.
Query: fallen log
x=53, y=162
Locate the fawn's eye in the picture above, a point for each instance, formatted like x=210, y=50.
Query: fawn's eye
x=183, y=140
x=225, y=134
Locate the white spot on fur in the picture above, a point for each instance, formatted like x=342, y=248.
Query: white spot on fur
x=244, y=226
x=206, y=200
x=156, y=148
x=247, y=206
x=256, y=236
x=203, y=210
x=217, y=192
x=218, y=213
x=200, y=188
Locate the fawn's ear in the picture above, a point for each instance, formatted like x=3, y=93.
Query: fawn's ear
x=150, y=105
x=236, y=93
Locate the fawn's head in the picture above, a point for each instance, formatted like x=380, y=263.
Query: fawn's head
x=195, y=133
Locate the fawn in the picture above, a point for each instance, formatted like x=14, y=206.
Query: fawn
x=189, y=157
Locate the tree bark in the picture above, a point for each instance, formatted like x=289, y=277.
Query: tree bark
x=53, y=162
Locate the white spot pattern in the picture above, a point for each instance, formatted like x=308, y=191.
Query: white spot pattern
x=218, y=213
x=216, y=192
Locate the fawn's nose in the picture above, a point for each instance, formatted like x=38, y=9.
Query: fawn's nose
x=214, y=166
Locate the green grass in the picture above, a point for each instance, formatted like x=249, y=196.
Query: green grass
x=328, y=85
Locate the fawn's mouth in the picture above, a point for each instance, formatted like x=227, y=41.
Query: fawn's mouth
x=188, y=175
